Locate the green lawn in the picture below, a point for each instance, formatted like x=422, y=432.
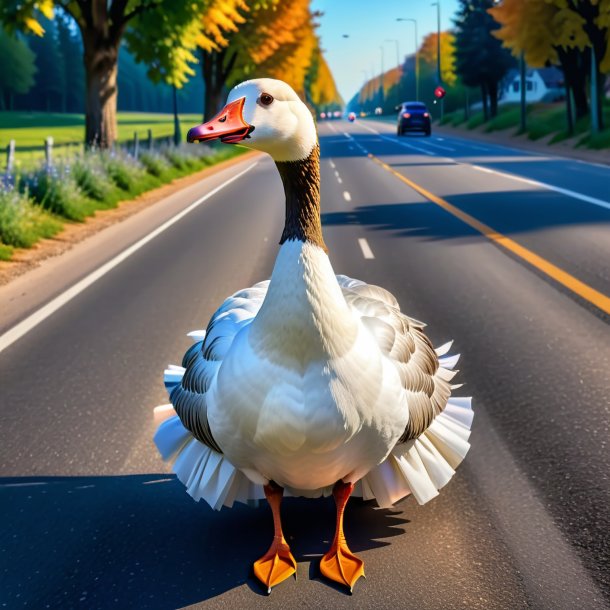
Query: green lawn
x=542, y=120
x=30, y=129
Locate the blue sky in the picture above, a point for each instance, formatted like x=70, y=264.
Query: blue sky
x=369, y=24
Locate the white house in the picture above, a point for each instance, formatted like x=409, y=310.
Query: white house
x=542, y=85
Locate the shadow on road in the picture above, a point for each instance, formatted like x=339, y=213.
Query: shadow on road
x=140, y=542
x=510, y=212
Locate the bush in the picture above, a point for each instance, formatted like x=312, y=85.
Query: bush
x=155, y=164
x=127, y=173
x=57, y=191
x=90, y=176
x=22, y=223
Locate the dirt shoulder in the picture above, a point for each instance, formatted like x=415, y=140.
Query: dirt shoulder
x=506, y=138
x=25, y=259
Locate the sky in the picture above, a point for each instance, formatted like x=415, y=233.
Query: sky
x=369, y=23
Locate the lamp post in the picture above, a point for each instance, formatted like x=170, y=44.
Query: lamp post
x=416, y=55
x=381, y=78
x=396, y=42
x=366, y=78
x=438, y=48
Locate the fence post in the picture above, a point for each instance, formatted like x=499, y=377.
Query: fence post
x=136, y=146
x=150, y=140
x=48, y=152
x=10, y=156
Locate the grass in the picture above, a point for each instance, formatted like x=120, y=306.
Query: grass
x=35, y=204
x=543, y=120
x=22, y=223
x=29, y=129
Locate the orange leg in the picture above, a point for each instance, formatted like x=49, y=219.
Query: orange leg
x=340, y=564
x=277, y=564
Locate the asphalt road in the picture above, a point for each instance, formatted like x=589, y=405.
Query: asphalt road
x=90, y=516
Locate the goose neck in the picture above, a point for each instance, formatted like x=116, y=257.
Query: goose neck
x=301, y=180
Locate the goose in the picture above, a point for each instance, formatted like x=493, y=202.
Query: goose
x=310, y=383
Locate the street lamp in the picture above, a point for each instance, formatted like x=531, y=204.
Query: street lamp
x=382, y=93
x=438, y=48
x=416, y=55
x=396, y=42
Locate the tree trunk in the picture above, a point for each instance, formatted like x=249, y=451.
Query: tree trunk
x=492, y=88
x=576, y=67
x=484, y=100
x=569, y=108
x=101, y=68
x=214, y=84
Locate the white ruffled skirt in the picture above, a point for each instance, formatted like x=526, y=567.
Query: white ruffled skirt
x=419, y=467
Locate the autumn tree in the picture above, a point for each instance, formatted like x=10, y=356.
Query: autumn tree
x=320, y=85
x=102, y=24
x=538, y=30
x=481, y=61
x=275, y=39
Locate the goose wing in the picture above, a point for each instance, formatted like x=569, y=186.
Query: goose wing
x=402, y=339
x=203, y=359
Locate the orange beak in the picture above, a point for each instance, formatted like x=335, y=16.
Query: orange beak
x=228, y=126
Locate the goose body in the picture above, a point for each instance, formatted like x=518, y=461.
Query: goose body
x=311, y=382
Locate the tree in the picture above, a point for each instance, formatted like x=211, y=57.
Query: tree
x=102, y=24
x=481, y=61
x=320, y=85
x=545, y=36
x=50, y=82
x=18, y=68
x=71, y=49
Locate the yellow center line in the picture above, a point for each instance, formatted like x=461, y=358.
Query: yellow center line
x=583, y=290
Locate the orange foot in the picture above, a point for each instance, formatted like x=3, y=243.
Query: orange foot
x=276, y=565
x=341, y=565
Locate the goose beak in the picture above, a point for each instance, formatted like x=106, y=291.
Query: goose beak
x=228, y=126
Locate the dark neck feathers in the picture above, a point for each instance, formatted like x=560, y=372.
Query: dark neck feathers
x=301, y=181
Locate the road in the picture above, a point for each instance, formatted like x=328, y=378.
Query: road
x=91, y=517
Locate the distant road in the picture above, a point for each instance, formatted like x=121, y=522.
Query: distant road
x=92, y=519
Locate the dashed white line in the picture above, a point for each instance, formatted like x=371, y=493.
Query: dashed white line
x=336, y=173
x=366, y=249
x=339, y=180
x=17, y=331
x=347, y=196
x=332, y=164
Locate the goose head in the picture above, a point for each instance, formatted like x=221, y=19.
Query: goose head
x=263, y=114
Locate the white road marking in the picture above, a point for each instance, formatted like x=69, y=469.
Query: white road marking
x=336, y=173
x=332, y=127
x=347, y=135
x=405, y=145
x=600, y=202
x=339, y=180
x=332, y=164
x=569, y=193
x=439, y=146
x=370, y=129
x=439, y=139
x=347, y=196
x=23, y=327
x=366, y=249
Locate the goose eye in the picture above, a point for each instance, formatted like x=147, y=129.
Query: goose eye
x=266, y=99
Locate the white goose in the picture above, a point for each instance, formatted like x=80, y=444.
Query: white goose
x=311, y=382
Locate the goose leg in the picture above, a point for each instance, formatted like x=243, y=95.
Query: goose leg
x=277, y=564
x=339, y=563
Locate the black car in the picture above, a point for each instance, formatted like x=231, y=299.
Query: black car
x=413, y=116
